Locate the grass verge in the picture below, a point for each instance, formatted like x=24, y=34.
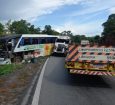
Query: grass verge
x=6, y=69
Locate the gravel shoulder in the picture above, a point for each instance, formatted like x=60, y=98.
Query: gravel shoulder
x=13, y=86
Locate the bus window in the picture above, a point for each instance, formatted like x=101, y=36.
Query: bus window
x=39, y=41
x=35, y=41
x=27, y=41
x=43, y=41
x=51, y=40
x=48, y=40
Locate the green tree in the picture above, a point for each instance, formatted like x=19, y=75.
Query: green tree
x=55, y=32
x=33, y=30
x=7, y=27
x=37, y=30
x=108, y=34
x=76, y=39
x=68, y=33
x=1, y=28
x=91, y=39
x=48, y=30
x=97, y=39
x=109, y=26
x=20, y=27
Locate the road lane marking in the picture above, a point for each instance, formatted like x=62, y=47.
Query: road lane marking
x=36, y=96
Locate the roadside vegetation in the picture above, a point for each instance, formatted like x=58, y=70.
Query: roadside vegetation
x=16, y=79
x=9, y=68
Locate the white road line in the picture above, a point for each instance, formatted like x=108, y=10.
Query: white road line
x=36, y=96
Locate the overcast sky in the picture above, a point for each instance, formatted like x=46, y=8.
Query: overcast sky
x=79, y=16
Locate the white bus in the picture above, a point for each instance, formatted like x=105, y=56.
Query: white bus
x=29, y=45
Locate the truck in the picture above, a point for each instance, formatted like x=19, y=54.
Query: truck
x=61, y=45
x=91, y=60
x=84, y=42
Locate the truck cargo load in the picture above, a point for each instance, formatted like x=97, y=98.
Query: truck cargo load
x=91, y=60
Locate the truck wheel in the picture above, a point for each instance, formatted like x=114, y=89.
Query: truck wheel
x=68, y=70
x=69, y=74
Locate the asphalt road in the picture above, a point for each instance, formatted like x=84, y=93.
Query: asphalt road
x=59, y=88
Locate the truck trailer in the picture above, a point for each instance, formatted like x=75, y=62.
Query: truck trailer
x=91, y=60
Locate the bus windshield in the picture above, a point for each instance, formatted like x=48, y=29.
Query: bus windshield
x=62, y=41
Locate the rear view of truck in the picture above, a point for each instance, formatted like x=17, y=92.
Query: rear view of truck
x=91, y=60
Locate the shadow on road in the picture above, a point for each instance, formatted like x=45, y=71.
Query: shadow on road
x=58, y=55
x=63, y=78
x=87, y=81
x=57, y=74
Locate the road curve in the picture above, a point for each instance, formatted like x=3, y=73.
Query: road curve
x=59, y=88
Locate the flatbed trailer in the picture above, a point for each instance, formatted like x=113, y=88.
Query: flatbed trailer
x=91, y=60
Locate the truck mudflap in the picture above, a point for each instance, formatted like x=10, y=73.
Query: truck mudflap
x=73, y=71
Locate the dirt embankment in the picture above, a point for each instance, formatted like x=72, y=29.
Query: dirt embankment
x=13, y=85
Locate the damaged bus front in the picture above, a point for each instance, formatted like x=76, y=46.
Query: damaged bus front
x=7, y=45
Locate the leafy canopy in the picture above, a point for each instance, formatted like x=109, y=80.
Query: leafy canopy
x=1, y=28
